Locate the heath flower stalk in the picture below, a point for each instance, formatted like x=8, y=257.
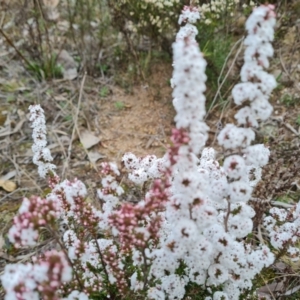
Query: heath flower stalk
x=208, y=214
x=41, y=154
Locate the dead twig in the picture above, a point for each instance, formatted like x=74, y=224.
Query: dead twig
x=76, y=129
x=75, y=125
x=11, y=43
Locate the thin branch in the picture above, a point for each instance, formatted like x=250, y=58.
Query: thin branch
x=75, y=128
x=102, y=260
x=10, y=42
x=146, y=270
x=227, y=216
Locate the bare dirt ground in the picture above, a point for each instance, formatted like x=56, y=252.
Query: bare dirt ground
x=108, y=126
x=90, y=120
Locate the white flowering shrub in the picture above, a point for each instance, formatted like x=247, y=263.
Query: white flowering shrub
x=217, y=10
x=191, y=227
x=283, y=227
x=153, y=19
x=160, y=15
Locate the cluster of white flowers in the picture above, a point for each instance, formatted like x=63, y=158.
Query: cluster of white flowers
x=188, y=83
x=143, y=169
x=27, y=235
x=256, y=84
x=109, y=194
x=26, y=281
x=41, y=154
x=143, y=15
x=216, y=8
x=283, y=228
x=162, y=3
x=76, y=295
x=255, y=87
x=17, y=274
x=90, y=256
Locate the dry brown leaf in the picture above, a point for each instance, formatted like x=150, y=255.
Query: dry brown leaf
x=95, y=156
x=88, y=139
x=264, y=296
x=8, y=175
x=8, y=185
x=271, y=288
x=60, y=98
x=292, y=291
x=104, y=145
